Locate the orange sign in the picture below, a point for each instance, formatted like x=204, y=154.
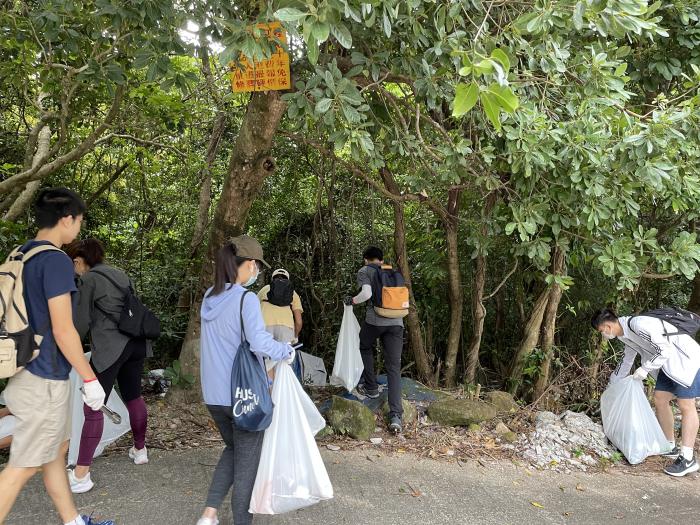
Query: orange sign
x=266, y=75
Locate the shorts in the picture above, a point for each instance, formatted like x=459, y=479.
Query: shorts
x=42, y=418
x=666, y=384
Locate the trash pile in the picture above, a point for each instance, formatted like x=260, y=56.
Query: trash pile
x=570, y=441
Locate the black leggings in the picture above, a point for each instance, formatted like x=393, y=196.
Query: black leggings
x=126, y=371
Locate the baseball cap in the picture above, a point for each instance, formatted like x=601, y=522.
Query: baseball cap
x=249, y=248
x=280, y=271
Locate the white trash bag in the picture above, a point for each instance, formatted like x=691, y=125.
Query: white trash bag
x=629, y=421
x=348, y=366
x=291, y=474
x=111, y=431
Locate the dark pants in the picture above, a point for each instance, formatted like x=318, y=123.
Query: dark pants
x=126, y=371
x=392, y=341
x=237, y=466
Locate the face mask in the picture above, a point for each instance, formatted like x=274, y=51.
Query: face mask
x=608, y=336
x=253, y=278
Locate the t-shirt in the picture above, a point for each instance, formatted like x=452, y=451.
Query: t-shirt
x=47, y=275
x=274, y=315
x=364, y=277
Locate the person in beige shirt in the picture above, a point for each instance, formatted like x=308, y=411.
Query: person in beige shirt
x=281, y=309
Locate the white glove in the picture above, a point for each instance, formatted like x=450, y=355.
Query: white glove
x=292, y=355
x=93, y=395
x=640, y=374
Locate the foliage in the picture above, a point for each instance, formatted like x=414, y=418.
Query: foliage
x=177, y=377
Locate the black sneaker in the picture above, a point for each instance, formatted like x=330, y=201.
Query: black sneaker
x=674, y=453
x=395, y=425
x=682, y=467
x=372, y=394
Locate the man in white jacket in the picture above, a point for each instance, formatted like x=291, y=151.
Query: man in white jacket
x=671, y=357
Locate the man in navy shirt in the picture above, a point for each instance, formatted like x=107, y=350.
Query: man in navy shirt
x=39, y=395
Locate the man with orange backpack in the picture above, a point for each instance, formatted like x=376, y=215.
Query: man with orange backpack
x=387, y=294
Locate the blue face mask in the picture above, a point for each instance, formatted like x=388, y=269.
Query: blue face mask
x=253, y=278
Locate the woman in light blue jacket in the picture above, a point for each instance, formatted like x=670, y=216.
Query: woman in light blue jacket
x=238, y=264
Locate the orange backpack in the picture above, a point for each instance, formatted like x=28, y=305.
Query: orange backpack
x=389, y=292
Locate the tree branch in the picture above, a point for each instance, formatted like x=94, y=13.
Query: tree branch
x=137, y=140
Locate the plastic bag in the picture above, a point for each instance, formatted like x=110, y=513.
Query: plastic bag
x=630, y=423
x=348, y=366
x=111, y=431
x=291, y=474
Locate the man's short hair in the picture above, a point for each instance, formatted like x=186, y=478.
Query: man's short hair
x=373, y=253
x=603, y=315
x=54, y=204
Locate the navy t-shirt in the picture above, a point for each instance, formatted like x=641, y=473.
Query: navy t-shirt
x=47, y=275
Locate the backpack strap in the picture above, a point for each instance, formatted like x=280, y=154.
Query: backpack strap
x=243, y=336
x=116, y=285
x=18, y=255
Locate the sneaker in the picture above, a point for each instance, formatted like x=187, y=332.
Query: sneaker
x=79, y=485
x=682, y=467
x=140, y=457
x=208, y=521
x=395, y=425
x=674, y=453
x=372, y=394
x=89, y=521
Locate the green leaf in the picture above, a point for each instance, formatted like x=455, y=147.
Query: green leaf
x=323, y=105
x=504, y=97
x=386, y=23
x=312, y=50
x=320, y=31
x=289, y=14
x=342, y=35
x=500, y=56
x=466, y=96
x=578, y=15
x=490, y=108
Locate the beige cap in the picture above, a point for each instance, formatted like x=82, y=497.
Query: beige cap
x=249, y=248
x=280, y=271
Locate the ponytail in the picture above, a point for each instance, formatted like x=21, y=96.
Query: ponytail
x=226, y=268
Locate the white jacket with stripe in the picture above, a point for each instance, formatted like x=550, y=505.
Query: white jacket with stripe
x=677, y=355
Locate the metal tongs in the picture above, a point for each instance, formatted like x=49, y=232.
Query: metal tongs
x=111, y=414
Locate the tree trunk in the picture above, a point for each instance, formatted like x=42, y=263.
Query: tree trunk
x=454, y=287
x=202, y=219
x=415, y=334
x=25, y=198
x=531, y=335
x=549, y=323
x=249, y=165
x=478, y=318
x=694, y=302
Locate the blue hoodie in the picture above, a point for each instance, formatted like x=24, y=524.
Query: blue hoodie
x=221, y=337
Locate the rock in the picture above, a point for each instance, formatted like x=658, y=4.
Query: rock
x=460, y=412
x=410, y=414
x=474, y=427
x=502, y=429
x=510, y=437
x=351, y=418
x=503, y=401
x=376, y=441
x=325, y=431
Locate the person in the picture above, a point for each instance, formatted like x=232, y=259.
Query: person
x=374, y=327
x=281, y=310
x=115, y=356
x=674, y=359
x=39, y=395
x=237, y=266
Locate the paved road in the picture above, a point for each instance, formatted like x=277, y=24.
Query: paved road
x=171, y=488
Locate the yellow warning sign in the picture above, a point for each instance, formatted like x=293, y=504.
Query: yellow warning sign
x=265, y=75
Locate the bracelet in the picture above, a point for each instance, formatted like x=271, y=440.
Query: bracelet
x=89, y=380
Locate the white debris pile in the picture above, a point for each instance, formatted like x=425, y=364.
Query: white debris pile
x=572, y=440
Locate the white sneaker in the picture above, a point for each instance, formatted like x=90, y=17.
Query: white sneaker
x=208, y=521
x=140, y=457
x=79, y=485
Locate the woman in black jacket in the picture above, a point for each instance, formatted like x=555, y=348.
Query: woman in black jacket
x=115, y=356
